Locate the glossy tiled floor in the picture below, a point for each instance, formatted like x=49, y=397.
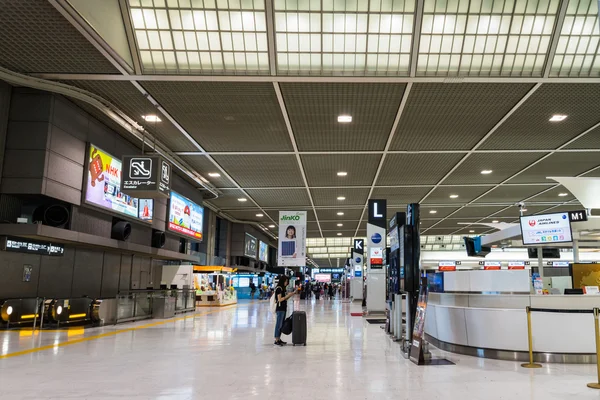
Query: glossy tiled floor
x=228, y=354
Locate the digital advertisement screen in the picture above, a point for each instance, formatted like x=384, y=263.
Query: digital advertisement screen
x=263, y=252
x=546, y=229
x=250, y=246
x=185, y=216
x=103, y=187
x=325, y=278
x=394, y=243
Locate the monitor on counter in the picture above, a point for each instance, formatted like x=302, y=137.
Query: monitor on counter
x=546, y=229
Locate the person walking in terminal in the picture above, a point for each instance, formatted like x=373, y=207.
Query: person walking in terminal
x=281, y=299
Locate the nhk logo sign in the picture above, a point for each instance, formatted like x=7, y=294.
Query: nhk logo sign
x=290, y=218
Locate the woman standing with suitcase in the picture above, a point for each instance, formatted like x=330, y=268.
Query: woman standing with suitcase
x=281, y=309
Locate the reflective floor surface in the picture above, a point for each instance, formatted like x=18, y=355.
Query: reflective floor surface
x=228, y=354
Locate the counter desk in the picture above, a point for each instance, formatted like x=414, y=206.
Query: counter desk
x=495, y=326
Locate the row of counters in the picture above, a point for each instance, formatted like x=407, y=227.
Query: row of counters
x=499, y=322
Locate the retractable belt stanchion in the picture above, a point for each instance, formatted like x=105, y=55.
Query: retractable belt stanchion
x=530, y=364
x=596, y=385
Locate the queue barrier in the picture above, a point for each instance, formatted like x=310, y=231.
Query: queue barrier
x=595, y=311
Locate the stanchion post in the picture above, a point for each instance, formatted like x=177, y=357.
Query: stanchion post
x=596, y=385
x=530, y=364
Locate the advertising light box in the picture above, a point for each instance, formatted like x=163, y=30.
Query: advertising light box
x=324, y=278
x=103, y=187
x=546, y=229
x=263, y=252
x=185, y=216
x=250, y=246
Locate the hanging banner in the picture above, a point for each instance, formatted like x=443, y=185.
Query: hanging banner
x=292, y=239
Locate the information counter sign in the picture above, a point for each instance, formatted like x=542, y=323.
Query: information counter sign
x=447, y=266
x=492, y=265
x=546, y=229
x=516, y=265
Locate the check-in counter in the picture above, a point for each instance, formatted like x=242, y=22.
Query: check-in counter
x=495, y=326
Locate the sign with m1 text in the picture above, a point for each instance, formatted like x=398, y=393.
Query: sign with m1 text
x=146, y=176
x=578, y=216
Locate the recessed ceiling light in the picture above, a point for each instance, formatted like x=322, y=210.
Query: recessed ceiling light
x=345, y=118
x=340, y=224
x=341, y=198
x=260, y=215
x=557, y=118
x=271, y=226
x=242, y=199
x=486, y=172
x=432, y=212
x=340, y=213
x=495, y=221
x=563, y=194
x=471, y=231
x=454, y=196
x=214, y=174
x=339, y=233
x=151, y=118
x=342, y=173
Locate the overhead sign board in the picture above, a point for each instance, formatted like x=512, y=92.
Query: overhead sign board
x=546, y=229
x=378, y=212
x=33, y=247
x=359, y=246
x=146, y=176
x=331, y=270
x=578, y=216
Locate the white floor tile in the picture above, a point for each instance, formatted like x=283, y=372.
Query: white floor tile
x=229, y=354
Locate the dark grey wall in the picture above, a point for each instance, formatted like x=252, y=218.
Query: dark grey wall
x=52, y=134
x=5, y=95
x=238, y=235
x=80, y=272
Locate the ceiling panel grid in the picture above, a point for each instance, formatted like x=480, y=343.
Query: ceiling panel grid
x=332, y=37
x=321, y=170
x=485, y=37
x=313, y=109
x=453, y=116
x=529, y=127
x=37, y=38
x=201, y=36
x=129, y=99
x=225, y=116
x=259, y=171
x=579, y=41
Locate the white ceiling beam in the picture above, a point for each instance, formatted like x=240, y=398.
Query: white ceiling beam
x=269, y=11
x=555, y=37
x=135, y=55
x=403, y=102
x=311, y=79
x=416, y=38
x=288, y=125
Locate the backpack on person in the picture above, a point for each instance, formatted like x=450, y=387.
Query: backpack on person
x=273, y=303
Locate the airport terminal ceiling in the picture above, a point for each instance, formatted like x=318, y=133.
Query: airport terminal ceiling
x=463, y=106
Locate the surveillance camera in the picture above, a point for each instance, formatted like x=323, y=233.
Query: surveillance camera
x=521, y=204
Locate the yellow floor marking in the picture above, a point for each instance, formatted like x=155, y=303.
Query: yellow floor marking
x=103, y=335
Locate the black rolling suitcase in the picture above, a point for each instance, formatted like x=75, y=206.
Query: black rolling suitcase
x=302, y=295
x=299, y=328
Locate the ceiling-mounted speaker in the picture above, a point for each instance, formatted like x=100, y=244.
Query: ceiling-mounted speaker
x=56, y=215
x=158, y=239
x=121, y=230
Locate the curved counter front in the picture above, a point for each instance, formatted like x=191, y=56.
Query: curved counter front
x=473, y=323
